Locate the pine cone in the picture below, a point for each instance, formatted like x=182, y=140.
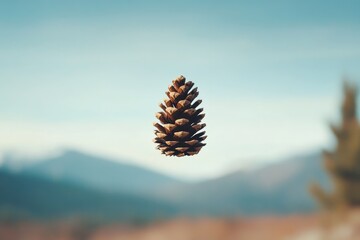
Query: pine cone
x=179, y=132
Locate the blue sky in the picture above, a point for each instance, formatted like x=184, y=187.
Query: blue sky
x=89, y=75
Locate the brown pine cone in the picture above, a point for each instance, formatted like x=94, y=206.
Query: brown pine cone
x=178, y=133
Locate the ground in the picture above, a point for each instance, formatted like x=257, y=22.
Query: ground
x=294, y=227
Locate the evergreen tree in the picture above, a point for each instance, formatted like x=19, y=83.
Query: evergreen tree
x=343, y=164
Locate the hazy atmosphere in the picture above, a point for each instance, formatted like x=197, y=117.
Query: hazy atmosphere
x=256, y=102
x=88, y=75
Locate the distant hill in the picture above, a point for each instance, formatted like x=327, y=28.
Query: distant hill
x=277, y=188
x=100, y=173
x=274, y=189
x=23, y=196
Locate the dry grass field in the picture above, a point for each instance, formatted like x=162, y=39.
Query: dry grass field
x=295, y=227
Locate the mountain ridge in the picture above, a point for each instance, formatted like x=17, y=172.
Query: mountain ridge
x=28, y=196
x=100, y=173
x=277, y=188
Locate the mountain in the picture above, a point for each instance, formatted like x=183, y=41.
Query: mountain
x=26, y=196
x=100, y=173
x=277, y=188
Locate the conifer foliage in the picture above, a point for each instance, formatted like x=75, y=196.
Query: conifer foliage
x=179, y=132
x=343, y=164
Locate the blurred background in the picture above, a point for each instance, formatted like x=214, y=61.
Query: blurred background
x=81, y=82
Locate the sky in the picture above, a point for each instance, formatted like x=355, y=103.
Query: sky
x=89, y=75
